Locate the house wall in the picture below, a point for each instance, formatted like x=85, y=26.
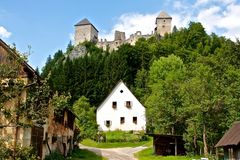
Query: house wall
x=106, y=112
x=8, y=133
x=232, y=152
x=59, y=135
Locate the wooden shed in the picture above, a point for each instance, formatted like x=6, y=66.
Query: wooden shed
x=230, y=142
x=168, y=144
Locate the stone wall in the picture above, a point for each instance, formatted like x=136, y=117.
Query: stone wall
x=119, y=39
x=85, y=33
x=163, y=26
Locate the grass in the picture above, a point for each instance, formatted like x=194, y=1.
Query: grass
x=147, y=154
x=82, y=154
x=91, y=143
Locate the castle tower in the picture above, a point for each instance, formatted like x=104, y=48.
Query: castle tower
x=163, y=24
x=85, y=31
x=119, y=36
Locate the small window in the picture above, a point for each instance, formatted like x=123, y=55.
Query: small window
x=122, y=120
x=108, y=123
x=135, y=120
x=128, y=104
x=121, y=91
x=164, y=20
x=54, y=138
x=114, y=105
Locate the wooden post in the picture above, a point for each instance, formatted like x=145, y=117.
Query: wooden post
x=175, y=146
x=217, y=154
x=15, y=139
x=229, y=153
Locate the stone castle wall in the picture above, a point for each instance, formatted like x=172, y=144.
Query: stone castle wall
x=119, y=39
x=82, y=33
x=163, y=26
x=87, y=32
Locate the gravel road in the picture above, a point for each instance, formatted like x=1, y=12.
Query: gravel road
x=126, y=153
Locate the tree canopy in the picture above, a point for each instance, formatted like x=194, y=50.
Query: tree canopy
x=188, y=80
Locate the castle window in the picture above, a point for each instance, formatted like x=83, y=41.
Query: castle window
x=122, y=120
x=135, y=120
x=128, y=104
x=164, y=20
x=121, y=91
x=108, y=123
x=114, y=105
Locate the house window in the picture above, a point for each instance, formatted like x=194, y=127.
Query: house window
x=54, y=138
x=108, y=123
x=128, y=104
x=122, y=120
x=114, y=105
x=135, y=120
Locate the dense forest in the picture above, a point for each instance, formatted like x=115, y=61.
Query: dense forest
x=188, y=80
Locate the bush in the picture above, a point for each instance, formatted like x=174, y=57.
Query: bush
x=26, y=153
x=22, y=153
x=55, y=155
x=125, y=136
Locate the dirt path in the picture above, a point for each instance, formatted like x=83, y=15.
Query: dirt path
x=126, y=153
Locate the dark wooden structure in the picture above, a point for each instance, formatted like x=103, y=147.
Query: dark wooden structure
x=37, y=139
x=168, y=144
x=230, y=142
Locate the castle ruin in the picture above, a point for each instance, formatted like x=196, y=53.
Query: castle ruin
x=86, y=31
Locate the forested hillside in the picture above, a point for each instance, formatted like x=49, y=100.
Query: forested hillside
x=189, y=81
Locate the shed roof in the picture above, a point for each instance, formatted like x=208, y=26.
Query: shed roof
x=165, y=135
x=231, y=137
x=163, y=15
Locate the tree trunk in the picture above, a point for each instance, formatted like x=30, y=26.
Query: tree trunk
x=173, y=130
x=205, y=149
x=195, y=139
x=15, y=139
x=17, y=128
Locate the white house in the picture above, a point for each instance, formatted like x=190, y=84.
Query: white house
x=121, y=110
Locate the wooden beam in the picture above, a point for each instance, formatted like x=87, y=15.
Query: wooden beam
x=176, y=146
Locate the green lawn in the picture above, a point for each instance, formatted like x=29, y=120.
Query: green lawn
x=82, y=154
x=91, y=143
x=147, y=154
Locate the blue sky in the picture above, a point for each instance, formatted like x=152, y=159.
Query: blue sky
x=48, y=25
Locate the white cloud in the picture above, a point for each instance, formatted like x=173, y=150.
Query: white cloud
x=219, y=16
x=179, y=5
x=209, y=18
x=4, y=33
x=200, y=2
x=227, y=1
x=181, y=20
x=71, y=37
x=215, y=18
x=132, y=22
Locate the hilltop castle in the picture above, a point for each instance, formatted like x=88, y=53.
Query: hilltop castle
x=86, y=31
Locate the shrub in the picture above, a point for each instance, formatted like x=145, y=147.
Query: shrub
x=22, y=153
x=125, y=136
x=55, y=155
x=26, y=153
